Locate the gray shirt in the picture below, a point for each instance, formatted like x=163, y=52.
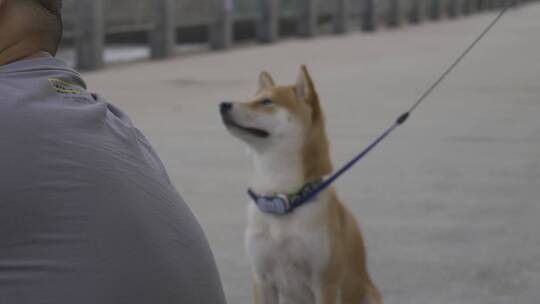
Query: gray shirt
x=87, y=212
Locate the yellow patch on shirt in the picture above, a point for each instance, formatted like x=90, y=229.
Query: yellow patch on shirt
x=63, y=87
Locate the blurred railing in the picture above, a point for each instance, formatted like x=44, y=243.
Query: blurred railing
x=88, y=22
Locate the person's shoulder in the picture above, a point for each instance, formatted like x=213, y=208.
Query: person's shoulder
x=44, y=105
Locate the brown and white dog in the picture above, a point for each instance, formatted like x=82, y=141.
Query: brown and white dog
x=314, y=254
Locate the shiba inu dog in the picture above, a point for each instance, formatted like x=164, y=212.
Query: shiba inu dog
x=314, y=252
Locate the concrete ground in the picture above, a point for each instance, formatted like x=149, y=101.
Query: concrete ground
x=449, y=205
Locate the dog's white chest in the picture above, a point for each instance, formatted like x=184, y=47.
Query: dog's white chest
x=288, y=252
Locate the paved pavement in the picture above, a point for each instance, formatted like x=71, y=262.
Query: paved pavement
x=450, y=205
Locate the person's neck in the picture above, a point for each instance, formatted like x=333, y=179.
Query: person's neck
x=21, y=51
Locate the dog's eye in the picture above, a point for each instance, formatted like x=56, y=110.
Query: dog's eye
x=266, y=102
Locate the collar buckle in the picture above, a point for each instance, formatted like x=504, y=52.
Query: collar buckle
x=279, y=204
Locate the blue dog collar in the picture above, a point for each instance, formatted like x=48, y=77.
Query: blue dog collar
x=282, y=204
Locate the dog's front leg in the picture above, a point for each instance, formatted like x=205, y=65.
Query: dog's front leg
x=328, y=294
x=265, y=293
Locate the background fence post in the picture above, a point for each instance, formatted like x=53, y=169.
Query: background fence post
x=435, y=9
x=416, y=13
x=480, y=5
x=369, y=16
x=341, y=16
x=307, y=21
x=453, y=8
x=89, y=34
x=394, y=13
x=163, y=35
x=268, y=23
x=467, y=7
x=221, y=30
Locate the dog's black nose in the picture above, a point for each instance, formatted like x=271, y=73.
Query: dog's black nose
x=225, y=106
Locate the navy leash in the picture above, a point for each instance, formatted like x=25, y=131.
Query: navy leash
x=401, y=119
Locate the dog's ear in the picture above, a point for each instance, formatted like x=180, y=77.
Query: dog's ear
x=305, y=89
x=316, y=148
x=265, y=81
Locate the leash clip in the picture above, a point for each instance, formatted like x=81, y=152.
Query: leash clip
x=403, y=118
